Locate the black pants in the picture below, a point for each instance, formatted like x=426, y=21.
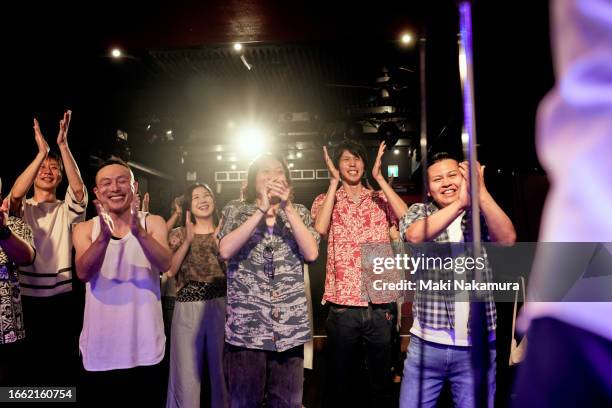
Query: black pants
x=353, y=332
x=51, y=343
x=141, y=386
x=565, y=367
x=257, y=375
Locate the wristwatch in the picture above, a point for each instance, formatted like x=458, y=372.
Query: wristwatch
x=5, y=232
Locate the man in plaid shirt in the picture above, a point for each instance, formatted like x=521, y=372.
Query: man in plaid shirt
x=440, y=344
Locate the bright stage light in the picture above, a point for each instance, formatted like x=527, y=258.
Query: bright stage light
x=251, y=140
x=116, y=53
x=396, y=151
x=219, y=157
x=406, y=39
x=237, y=47
x=298, y=155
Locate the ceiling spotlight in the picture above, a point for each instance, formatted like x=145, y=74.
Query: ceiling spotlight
x=290, y=165
x=396, y=151
x=233, y=167
x=169, y=132
x=116, y=53
x=237, y=47
x=219, y=157
x=298, y=155
x=406, y=39
x=148, y=127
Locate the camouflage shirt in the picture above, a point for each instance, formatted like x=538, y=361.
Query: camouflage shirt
x=266, y=301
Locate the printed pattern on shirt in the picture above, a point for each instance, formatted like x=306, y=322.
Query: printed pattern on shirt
x=352, y=224
x=11, y=314
x=266, y=300
x=436, y=309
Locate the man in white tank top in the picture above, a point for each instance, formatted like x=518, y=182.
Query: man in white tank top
x=120, y=255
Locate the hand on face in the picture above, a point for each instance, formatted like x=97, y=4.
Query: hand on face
x=278, y=191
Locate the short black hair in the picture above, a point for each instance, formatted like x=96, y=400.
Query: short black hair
x=110, y=162
x=58, y=158
x=440, y=156
x=250, y=194
x=353, y=147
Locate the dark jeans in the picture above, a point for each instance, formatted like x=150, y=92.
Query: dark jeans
x=51, y=342
x=351, y=333
x=565, y=366
x=257, y=375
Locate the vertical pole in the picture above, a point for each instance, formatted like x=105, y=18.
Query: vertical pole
x=478, y=323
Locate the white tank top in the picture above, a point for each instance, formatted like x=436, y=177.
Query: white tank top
x=122, y=325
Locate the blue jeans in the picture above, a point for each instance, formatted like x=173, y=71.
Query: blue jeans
x=441, y=363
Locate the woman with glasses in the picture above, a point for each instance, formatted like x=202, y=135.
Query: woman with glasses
x=266, y=239
x=199, y=311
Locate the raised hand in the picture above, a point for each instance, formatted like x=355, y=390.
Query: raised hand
x=177, y=205
x=189, y=227
x=135, y=226
x=4, y=212
x=334, y=174
x=145, y=202
x=376, y=172
x=43, y=146
x=106, y=222
x=464, y=169
x=62, y=136
x=464, y=189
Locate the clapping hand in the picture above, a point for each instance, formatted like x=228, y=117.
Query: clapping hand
x=106, y=222
x=334, y=174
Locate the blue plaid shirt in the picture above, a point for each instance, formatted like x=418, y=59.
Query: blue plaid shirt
x=436, y=309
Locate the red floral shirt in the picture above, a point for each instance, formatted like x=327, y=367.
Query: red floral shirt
x=352, y=224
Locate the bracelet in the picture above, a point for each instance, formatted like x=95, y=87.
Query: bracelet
x=262, y=211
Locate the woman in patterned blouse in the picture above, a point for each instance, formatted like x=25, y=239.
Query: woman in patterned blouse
x=199, y=311
x=16, y=249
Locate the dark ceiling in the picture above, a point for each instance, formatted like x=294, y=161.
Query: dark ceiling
x=181, y=73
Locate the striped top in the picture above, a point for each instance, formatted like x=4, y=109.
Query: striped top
x=51, y=223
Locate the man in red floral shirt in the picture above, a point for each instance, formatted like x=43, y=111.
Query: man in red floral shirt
x=350, y=215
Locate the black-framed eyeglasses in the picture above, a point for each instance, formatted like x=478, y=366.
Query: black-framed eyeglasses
x=268, y=255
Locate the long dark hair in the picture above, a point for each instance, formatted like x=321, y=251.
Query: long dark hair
x=187, y=201
x=250, y=194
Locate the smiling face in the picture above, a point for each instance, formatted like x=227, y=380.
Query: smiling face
x=115, y=188
x=444, y=182
x=49, y=175
x=202, y=203
x=351, y=168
